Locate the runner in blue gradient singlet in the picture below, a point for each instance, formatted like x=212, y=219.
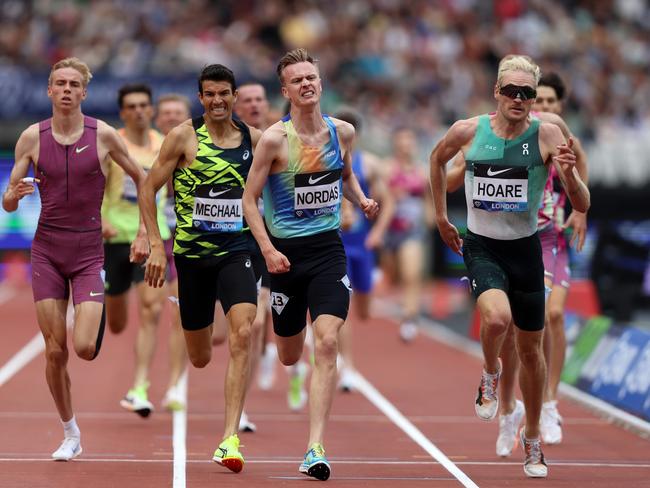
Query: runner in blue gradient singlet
x=303, y=164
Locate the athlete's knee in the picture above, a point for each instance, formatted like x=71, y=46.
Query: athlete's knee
x=86, y=351
x=116, y=324
x=56, y=355
x=200, y=359
x=495, y=322
x=289, y=358
x=240, y=337
x=326, y=345
x=555, y=316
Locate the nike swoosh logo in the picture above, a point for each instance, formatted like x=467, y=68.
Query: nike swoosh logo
x=313, y=180
x=494, y=173
x=96, y=293
x=216, y=194
x=79, y=149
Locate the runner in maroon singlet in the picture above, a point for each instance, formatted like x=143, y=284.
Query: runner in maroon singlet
x=70, y=154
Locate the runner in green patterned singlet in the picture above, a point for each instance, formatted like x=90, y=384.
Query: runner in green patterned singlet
x=209, y=157
x=507, y=157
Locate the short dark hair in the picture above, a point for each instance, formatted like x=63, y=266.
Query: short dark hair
x=217, y=72
x=132, y=88
x=554, y=81
x=295, y=56
x=350, y=116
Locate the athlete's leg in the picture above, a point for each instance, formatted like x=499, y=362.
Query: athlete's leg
x=258, y=330
x=290, y=348
x=87, y=334
x=509, y=372
x=496, y=317
x=151, y=303
x=554, y=335
x=323, y=381
x=532, y=376
x=177, y=350
x=199, y=346
x=410, y=258
x=220, y=326
x=240, y=318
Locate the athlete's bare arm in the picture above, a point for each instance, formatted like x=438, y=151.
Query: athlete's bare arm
x=558, y=151
x=457, y=138
x=376, y=174
x=256, y=134
x=26, y=153
x=456, y=174
x=268, y=155
x=351, y=188
x=172, y=152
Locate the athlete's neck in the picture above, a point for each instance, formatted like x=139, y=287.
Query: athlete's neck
x=67, y=123
x=308, y=122
x=137, y=136
x=224, y=133
x=508, y=129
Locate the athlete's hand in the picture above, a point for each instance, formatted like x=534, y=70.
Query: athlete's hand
x=578, y=222
x=450, y=236
x=374, y=240
x=276, y=262
x=370, y=207
x=156, y=267
x=24, y=187
x=566, y=159
x=139, y=249
x=108, y=231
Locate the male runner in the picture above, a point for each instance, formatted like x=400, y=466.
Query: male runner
x=209, y=158
x=120, y=224
x=70, y=153
x=507, y=157
x=301, y=164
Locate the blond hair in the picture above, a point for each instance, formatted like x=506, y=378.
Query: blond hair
x=295, y=56
x=518, y=62
x=174, y=97
x=76, y=64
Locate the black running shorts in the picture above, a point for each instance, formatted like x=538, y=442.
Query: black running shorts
x=203, y=281
x=120, y=272
x=317, y=281
x=514, y=266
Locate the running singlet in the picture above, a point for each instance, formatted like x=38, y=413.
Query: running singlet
x=208, y=197
x=409, y=185
x=71, y=180
x=504, y=182
x=358, y=231
x=120, y=206
x=552, y=210
x=305, y=198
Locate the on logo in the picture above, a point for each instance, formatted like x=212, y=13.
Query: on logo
x=524, y=149
x=279, y=301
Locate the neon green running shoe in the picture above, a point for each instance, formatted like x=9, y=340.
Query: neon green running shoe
x=315, y=463
x=297, y=394
x=228, y=455
x=136, y=401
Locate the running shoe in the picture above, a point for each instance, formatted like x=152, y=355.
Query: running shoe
x=315, y=463
x=297, y=394
x=408, y=331
x=508, y=428
x=136, y=401
x=534, y=464
x=173, y=400
x=550, y=423
x=69, y=449
x=245, y=425
x=228, y=455
x=266, y=371
x=347, y=380
x=487, y=401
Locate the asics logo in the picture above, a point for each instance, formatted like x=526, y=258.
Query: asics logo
x=217, y=193
x=494, y=173
x=96, y=293
x=80, y=149
x=313, y=180
x=246, y=154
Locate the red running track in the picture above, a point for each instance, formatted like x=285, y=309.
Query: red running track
x=430, y=383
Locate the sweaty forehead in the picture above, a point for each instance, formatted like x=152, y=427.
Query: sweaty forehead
x=67, y=74
x=520, y=78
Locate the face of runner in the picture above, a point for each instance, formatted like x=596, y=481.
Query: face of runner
x=515, y=109
x=547, y=100
x=66, y=89
x=217, y=100
x=301, y=84
x=251, y=105
x=170, y=114
x=136, y=111
x=404, y=144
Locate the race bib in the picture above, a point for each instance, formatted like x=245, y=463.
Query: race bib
x=129, y=190
x=218, y=208
x=317, y=193
x=500, y=188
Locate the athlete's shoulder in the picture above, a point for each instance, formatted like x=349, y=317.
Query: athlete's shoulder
x=344, y=129
x=275, y=135
x=555, y=119
x=31, y=133
x=463, y=130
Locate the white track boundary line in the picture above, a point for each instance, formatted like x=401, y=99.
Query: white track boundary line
x=379, y=401
x=32, y=349
x=441, y=333
x=180, y=434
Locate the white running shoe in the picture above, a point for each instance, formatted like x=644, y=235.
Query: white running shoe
x=69, y=449
x=245, y=425
x=487, y=401
x=297, y=394
x=534, y=464
x=266, y=369
x=550, y=423
x=508, y=428
x=173, y=400
x=408, y=331
x=347, y=380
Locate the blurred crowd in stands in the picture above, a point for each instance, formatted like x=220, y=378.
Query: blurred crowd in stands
x=416, y=63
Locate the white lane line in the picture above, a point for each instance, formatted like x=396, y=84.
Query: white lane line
x=366, y=478
x=379, y=401
x=32, y=349
x=180, y=434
